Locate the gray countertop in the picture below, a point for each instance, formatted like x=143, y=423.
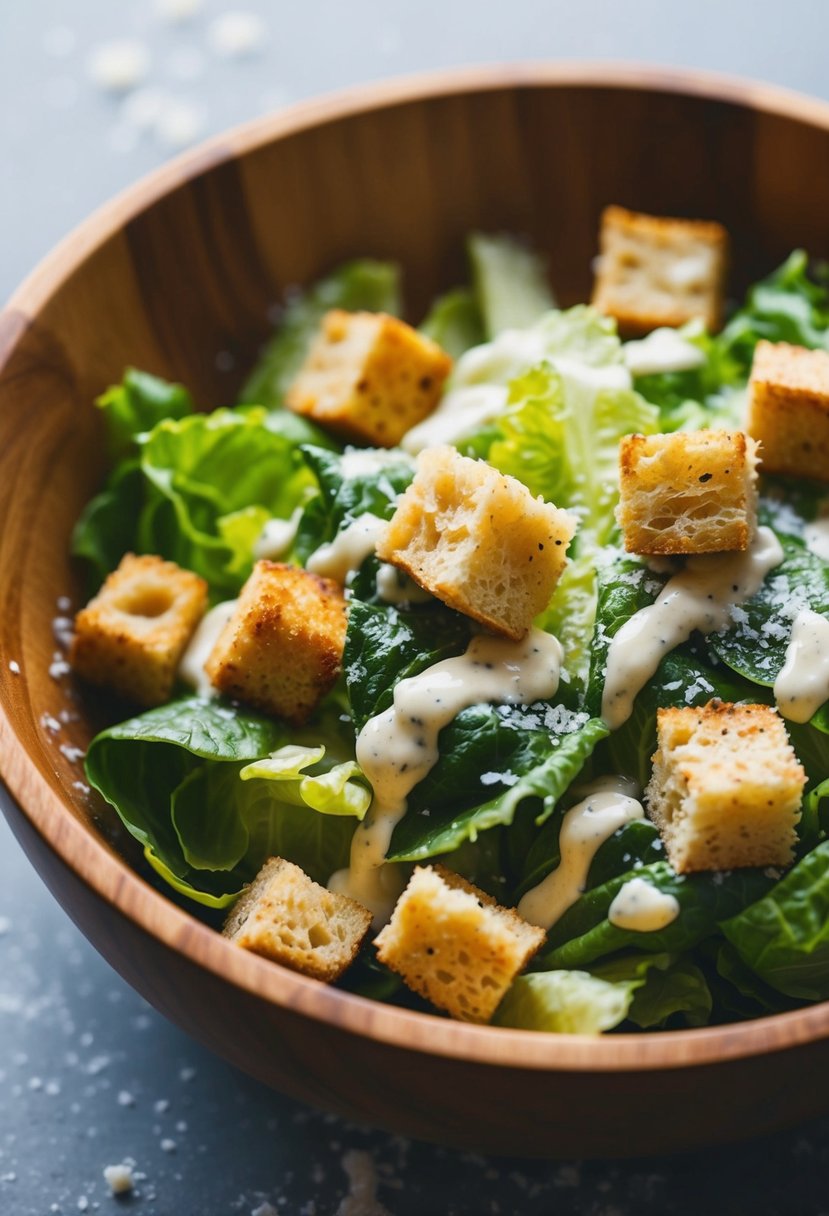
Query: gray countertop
x=89, y=1074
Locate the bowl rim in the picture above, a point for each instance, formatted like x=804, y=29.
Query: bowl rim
x=111, y=878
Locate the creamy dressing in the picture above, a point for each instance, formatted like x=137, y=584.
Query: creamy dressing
x=642, y=908
x=584, y=828
x=700, y=598
x=397, y=748
x=276, y=537
x=395, y=587
x=478, y=392
x=816, y=535
x=664, y=350
x=191, y=668
x=461, y=412
x=366, y=462
x=803, y=683
x=349, y=548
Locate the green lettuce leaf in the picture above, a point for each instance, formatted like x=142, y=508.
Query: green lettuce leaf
x=105, y=529
x=560, y=436
x=139, y=764
x=565, y=1002
x=226, y=824
x=755, y=645
x=510, y=282
x=385, y=644
x=673, y=991
x=493, y=760
x=789, y=306
x=357, y=286
x=784, y=936
x=205, y=470
x=738, y=992
x=454, y=322
x=329, y=790
x=343, y=496
x=584, y=934
x=136, y=405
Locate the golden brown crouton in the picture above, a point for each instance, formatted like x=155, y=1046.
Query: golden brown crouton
x=726, y=787
x=788, y=409
x=688, y=492
x=285, y=916
x=454, y=945
x=132, y=635
x=282, y=648
x=655, y=271
x=478, y=540
x=369, y=377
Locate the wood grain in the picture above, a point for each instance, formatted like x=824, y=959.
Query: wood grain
x=183, y=267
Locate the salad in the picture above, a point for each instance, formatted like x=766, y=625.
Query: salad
x=213, y=788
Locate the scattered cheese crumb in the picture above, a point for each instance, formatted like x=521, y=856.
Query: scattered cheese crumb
x=119, y=1178
x=14, y=667
x=265, y=1209
x=119, y=66
x=176, y=11
x=236, y=33
x=125, y=1098
x=142, y=108
x=168, y=1146
x=179, y=123
x=361, y=1199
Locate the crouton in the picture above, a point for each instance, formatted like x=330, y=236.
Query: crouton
x=369, y=377
x=285, y=916
x=726, y=787
x=654, y=271
x=688, y=492
x=454, y=945
x=282, y=648
x=478, y=540
x=788, y=409
x=132, y=635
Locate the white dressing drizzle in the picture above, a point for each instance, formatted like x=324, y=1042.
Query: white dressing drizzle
x=816, y=535
x=349, y=548
x=803, y=683
x=584, y=828
x=191, y=668
x=700, y=598
x=397, y=748
x=395, y=587
x=664, y=350
x=276, y=537
x=366, y=462
x=462, y=411
x=642, y=908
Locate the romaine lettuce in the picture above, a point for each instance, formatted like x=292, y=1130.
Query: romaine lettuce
x=196, y=782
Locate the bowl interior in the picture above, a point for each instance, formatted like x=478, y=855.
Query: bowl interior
x=178, y=276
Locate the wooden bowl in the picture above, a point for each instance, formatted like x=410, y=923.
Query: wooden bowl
x=182, y=268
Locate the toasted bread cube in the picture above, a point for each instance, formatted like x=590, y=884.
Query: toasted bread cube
x=454, y=945
x=726, y=787
x=653, y=271
x=788, y=409
x=369, y=377
x=130, y=637
x=285, y=916
x=478, y=540
x=281, y=650
x=688, y=492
